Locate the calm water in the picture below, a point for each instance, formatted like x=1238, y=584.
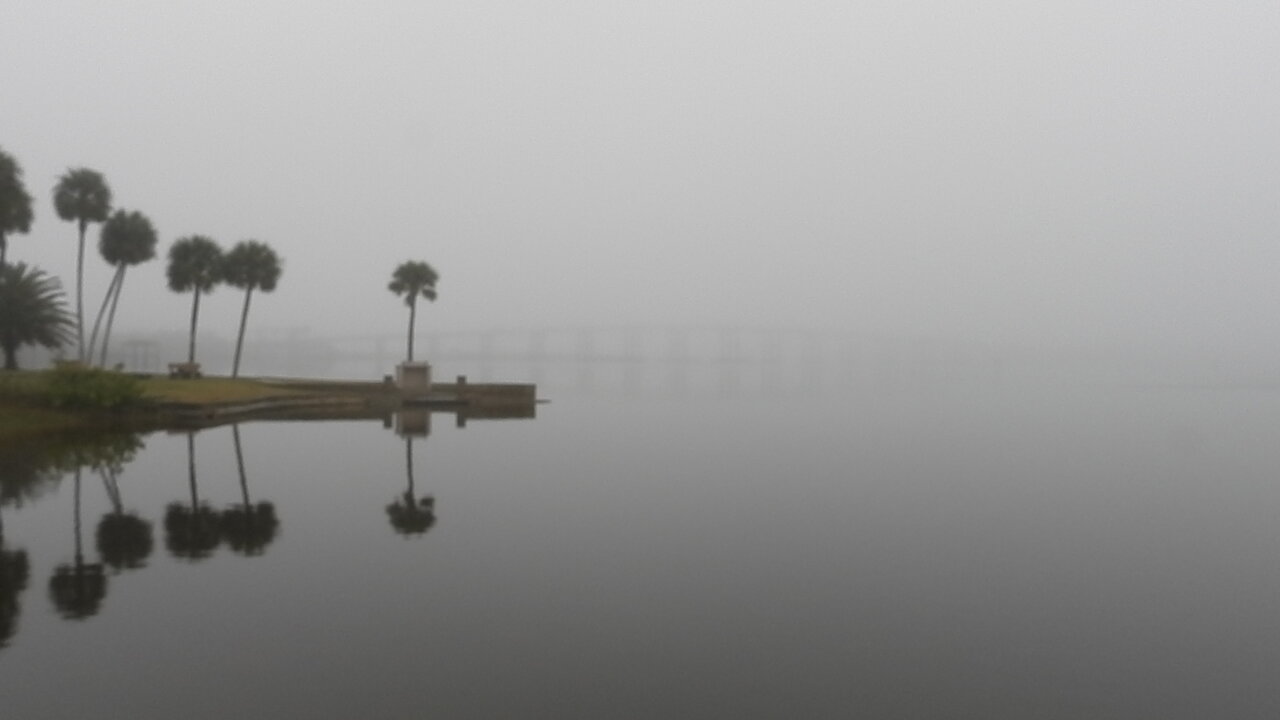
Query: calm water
x=960, y=552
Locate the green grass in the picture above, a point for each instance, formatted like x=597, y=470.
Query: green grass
x=25, y=386
x=209, y=390
x=25, y=400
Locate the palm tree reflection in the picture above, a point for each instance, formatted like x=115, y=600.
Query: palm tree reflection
x=124, y=539
x=77, y=589
x=408, y=514
x=191, y=533
x=248, y=528
x=14, y=571
x=24, y=476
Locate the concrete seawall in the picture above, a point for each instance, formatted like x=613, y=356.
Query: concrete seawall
x=485, y=393
x=455, y=392
x=348, y=399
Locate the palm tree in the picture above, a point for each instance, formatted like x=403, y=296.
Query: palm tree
x=81, y=195
x=128, y=238
x=248, y=527
x=191, y=533
x=412, y=279
x=32, y=312
x=15, y=202
x=249, y=265
x=195, y=263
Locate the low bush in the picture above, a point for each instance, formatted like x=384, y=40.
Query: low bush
x=91, y=389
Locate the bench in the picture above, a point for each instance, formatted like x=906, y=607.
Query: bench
x=184, y=370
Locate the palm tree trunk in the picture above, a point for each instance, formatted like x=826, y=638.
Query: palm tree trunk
x=111, y=316
x=195, y=313
x=408, y=465
x=244, y=482
x=112, y=485
x=10, y=357
x=79, y=552
x=4, y=247
x=413, y=310
x=244, y=317
x=80, y=290
x=102, y=311
x=191, y=471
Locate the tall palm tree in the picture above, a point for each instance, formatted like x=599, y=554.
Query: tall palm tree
x=128, y=238
x=15, y=202
x=32, y=312
x=195, y=263
x=83, y=196
x=248, y=527
x=249, y=265
x=413, y=279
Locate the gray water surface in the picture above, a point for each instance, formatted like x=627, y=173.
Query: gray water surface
x=956, y=552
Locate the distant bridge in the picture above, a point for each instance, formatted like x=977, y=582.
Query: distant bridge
x=602, y=344
x=732, y=356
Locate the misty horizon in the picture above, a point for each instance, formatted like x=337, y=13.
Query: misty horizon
x=1091, y=176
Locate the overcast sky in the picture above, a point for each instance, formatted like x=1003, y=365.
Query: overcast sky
x=1081, y=171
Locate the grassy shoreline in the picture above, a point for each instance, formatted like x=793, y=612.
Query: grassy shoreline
x=33, y=403
x=25, y=408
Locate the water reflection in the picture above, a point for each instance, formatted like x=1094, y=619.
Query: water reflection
x=26, y=475
x=27, y=472
x=18, y=481
x=194, y=527
x=248, y=527
x=194, y=531
x=77, y=589
x=408, y=514
x=14, y=570
x=191, y=533
x=124, y=540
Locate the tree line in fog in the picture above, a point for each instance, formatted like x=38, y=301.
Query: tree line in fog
x=33, y=308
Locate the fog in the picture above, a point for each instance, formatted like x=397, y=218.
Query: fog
x=1092, y=175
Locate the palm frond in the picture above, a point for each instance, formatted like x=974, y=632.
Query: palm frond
x=127, y=237
x=414, y=278
x=82, y=195
x=251, y=264
x=15, y=201
x=195, y=261
x=32, y=309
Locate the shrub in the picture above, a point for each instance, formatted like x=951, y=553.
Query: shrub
x=92, y=389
